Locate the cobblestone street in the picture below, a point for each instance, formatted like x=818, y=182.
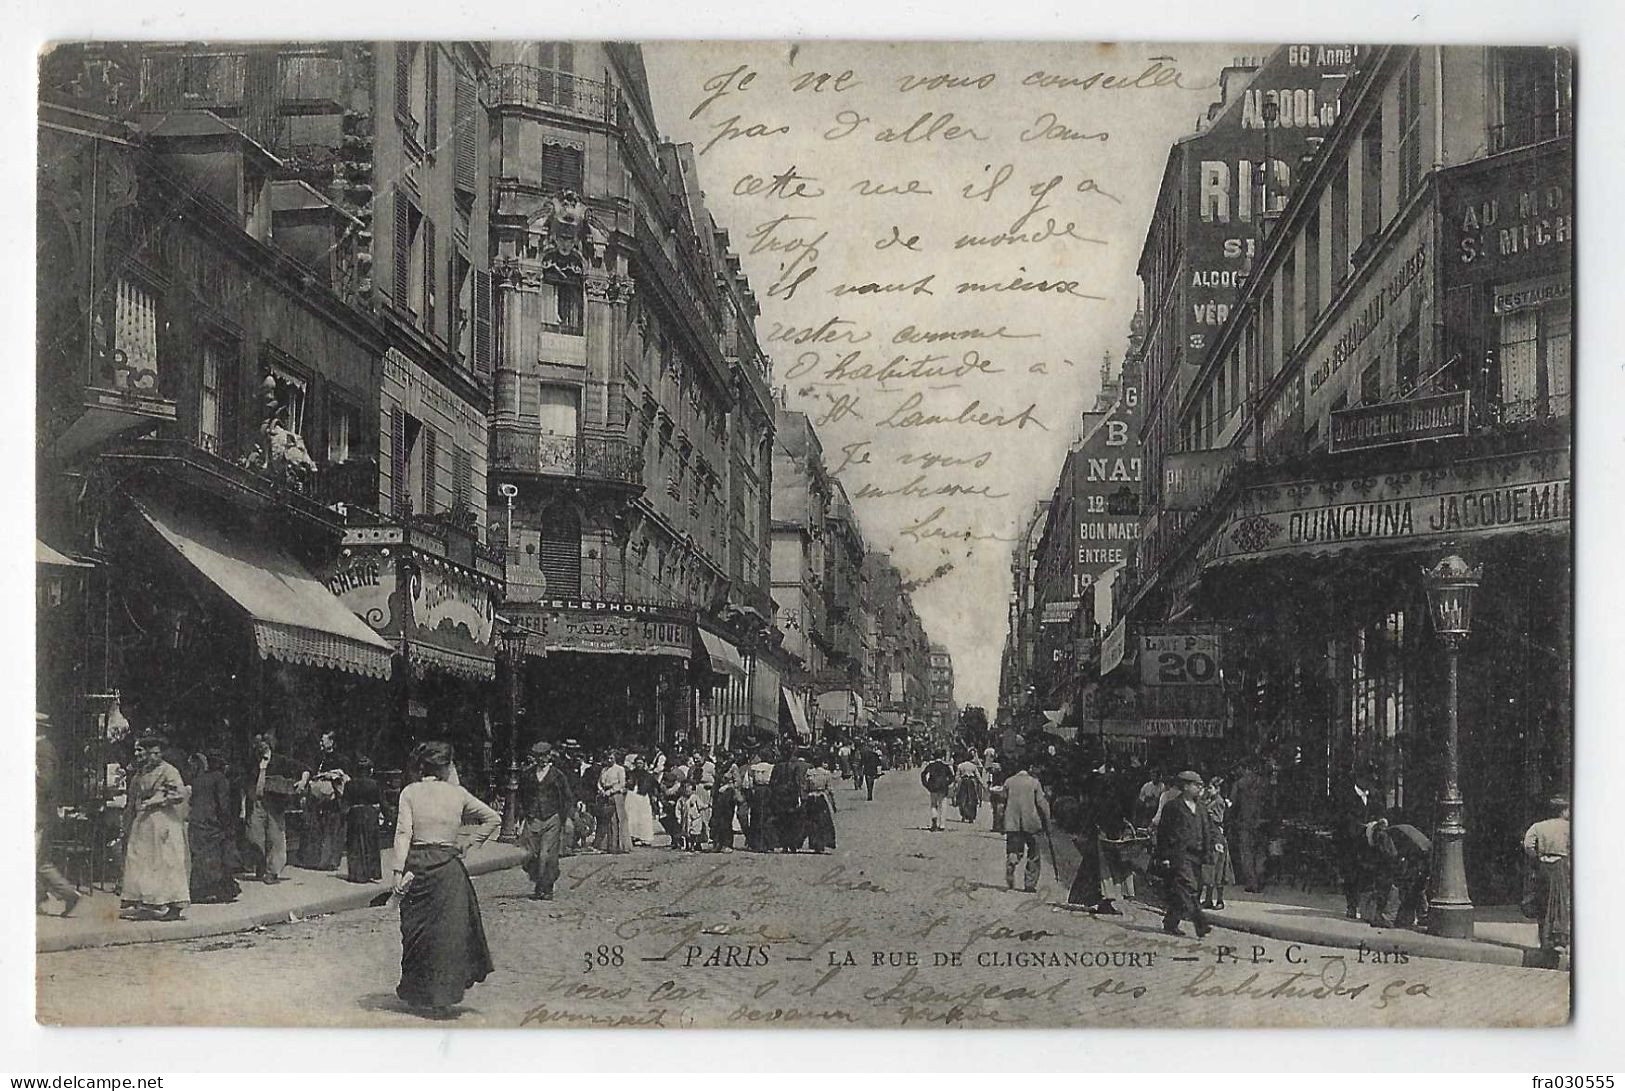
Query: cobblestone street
x=897, y=927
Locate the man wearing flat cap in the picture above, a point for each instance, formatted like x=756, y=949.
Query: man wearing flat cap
x=1184, y=838
x=547, y=802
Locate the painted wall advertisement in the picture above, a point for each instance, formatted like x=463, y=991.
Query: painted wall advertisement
x=1223, y=163
x=1509, y=219
x=1106, y=472
x=1395, y=297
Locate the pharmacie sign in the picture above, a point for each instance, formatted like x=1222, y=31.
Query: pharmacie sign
x=1470, y=499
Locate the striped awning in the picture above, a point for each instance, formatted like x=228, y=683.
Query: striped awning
x=295, y=618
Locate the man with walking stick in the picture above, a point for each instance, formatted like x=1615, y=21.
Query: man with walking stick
x=1026, y=815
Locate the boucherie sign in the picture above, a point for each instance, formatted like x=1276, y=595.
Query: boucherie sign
x=1471, y=499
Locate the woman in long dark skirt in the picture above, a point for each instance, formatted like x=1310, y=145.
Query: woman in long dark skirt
x=362, y=798
x=443, y=948
x=787, y=790
x=819, y=807
x=211, y=830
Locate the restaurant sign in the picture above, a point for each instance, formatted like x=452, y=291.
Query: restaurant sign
x=1472, y=498
x=1407, y=421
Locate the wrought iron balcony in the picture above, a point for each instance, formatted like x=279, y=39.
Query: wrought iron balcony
x=548, y=89
x=529, y=450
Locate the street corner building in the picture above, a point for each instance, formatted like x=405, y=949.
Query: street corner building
x=408, y=391
x=1352, y=362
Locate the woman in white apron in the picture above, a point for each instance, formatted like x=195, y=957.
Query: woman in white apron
x=640, y=817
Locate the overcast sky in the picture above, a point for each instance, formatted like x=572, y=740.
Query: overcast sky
x=1089, y=155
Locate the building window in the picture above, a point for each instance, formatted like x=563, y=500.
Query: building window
x=409, y=247
x=343, y=431
x=1535, y=362
x=209, y=414
x=563, y=168
x=1408, y=358
x=291, y=395
x=135, y=339
x=563, y=307
x=1340, y=228
x=1311, y=270
x=1532, y=98
x=1371, y=178
x=1371, y=384
x=560, y=550
x=1410, y=126
x=1289, y=306
x=462, y=309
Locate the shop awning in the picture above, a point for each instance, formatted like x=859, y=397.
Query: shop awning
x=798, y=716
x=480, y=668
x=724, y=657
x=295, y=618
x=44, y=554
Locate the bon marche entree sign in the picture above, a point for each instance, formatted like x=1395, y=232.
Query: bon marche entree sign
x=1469, y=499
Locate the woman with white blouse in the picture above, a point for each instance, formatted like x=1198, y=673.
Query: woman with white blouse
x=443, y=948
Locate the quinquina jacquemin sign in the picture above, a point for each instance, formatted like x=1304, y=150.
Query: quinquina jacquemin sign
x=1473, y=498
x=1405, y=421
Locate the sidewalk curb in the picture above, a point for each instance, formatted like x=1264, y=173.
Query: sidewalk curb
x=1419, y=944
x=498, y=859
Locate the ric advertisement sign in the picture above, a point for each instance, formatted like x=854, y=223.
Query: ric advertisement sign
x=1278, y=118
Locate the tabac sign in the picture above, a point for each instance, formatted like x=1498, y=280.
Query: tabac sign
x=1473, y=498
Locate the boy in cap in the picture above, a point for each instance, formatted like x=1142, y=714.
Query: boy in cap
x=547, y=802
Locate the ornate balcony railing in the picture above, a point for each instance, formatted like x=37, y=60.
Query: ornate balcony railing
x=545, y=88
x=599, y=458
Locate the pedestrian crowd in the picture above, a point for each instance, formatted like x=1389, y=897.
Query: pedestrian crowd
x=1187, y=839
x=773, y=797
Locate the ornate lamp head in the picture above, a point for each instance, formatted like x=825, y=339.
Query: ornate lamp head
x=1450, y=586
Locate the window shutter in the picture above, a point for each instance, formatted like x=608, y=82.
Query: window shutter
x=230, y=396
x=403, y=249
x=431, y=455
x=428, y=275
x=431, y=96
x=403, y=79
x=467, y=135
x=462, y=479
x=399, y=469
x=482, y=323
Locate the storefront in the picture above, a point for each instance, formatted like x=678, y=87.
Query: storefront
x=606, y=673
x=438, y=618
x=1336, y=661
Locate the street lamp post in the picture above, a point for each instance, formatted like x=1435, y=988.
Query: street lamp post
x=1450, y=586
x=513, y=649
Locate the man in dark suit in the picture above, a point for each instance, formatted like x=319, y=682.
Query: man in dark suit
x=1357, y=805
x=1184, y=839
x=547, y=801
